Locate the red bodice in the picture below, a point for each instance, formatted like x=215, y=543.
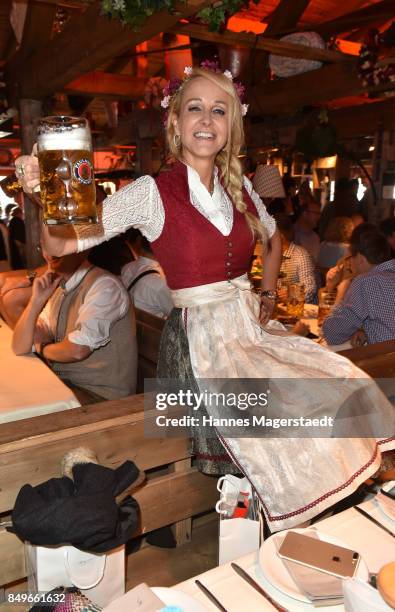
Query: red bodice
x=190, y=249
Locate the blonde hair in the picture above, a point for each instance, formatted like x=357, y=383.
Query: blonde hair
x=227, y=159
x=339, y=230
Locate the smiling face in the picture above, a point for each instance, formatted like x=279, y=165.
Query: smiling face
x=203, y=121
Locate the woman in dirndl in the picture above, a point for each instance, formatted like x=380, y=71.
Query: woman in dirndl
x=202, y=218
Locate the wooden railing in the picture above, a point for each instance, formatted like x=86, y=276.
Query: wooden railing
x=31, y=451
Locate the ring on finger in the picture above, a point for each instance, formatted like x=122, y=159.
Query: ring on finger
x=20, y=171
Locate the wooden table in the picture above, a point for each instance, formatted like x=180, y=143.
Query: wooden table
x=28, y=387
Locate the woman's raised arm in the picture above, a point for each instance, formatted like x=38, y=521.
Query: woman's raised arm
x=136, y=205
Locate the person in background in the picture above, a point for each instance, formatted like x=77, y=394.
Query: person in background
x=305, y=226
x=366, y=313
x=5, y=255
x=144, y=278
x=345, y=204
x=7, y=212
x=292, y=204
x=80, y=321
x=297, y=265
x=17, y=236
x=112, y=255
x=387, y=227
x=336, y=242
x=340, y=276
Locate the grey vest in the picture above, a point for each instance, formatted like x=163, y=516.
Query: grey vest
x=111, y=370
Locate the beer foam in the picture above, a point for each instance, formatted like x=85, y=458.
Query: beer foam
x=77, y=138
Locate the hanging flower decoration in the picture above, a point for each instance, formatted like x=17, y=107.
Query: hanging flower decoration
x=135, y=12
x=370, y=71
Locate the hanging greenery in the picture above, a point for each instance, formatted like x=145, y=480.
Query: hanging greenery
x=135, y=12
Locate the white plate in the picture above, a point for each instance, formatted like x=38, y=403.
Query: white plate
x=388, y=514
x=172, y=597
x=276, y=572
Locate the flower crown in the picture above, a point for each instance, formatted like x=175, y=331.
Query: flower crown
x=175, y=83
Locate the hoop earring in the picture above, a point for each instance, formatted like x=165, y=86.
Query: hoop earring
x=177, y=141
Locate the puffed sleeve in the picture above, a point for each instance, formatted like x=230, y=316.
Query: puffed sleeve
x=138, y=205
x=267, y=220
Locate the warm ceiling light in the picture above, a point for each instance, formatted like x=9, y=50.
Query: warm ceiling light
x=371, y=148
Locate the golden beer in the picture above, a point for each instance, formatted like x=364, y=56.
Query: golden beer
x=66, y=171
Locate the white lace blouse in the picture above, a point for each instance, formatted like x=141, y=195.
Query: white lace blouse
x=139, y=205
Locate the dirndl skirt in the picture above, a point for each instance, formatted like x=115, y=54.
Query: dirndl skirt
x=174, y=363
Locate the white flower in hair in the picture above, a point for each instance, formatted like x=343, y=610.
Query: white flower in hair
x=244, y=109
x=188, y=70
x=228, y=75
x=165, y=102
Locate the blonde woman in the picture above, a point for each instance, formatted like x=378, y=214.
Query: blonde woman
x=202, y=219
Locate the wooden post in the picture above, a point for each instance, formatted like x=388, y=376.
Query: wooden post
x=29, y=111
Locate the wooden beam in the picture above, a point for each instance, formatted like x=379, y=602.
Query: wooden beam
x=38, y=27
x=107, y=85
x=314, y=87
x=87, y=41
x=285, y=16
x=383, y=11
x=271, y=45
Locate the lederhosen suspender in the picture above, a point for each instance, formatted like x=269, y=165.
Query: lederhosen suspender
x=134, y=281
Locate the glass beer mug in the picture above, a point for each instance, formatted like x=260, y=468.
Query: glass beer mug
x=66, y=170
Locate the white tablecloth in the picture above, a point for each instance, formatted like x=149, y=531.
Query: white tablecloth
x=28, y=387
x=375, y=546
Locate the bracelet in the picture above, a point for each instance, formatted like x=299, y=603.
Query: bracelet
x=269, y=293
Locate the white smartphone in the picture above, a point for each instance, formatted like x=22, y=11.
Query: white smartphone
x=311, y=552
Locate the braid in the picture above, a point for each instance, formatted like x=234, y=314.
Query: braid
x=232, y=175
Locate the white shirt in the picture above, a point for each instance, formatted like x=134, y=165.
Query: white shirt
x=151, y=292
x=105, y=303
x=139, y=205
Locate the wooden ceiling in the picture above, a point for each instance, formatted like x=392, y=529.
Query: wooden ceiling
x=93, y=56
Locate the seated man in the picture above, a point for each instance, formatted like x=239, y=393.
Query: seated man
x=297, y=265
x=368, y=304
x=80, y=320
x=304, y=228
x=144, y=279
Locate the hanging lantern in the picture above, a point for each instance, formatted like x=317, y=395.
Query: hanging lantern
x=290, y=66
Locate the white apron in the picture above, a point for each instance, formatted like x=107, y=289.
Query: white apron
x=295, y=478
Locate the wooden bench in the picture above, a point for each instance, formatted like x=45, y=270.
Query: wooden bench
x=149, y=330
x=31, y=451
